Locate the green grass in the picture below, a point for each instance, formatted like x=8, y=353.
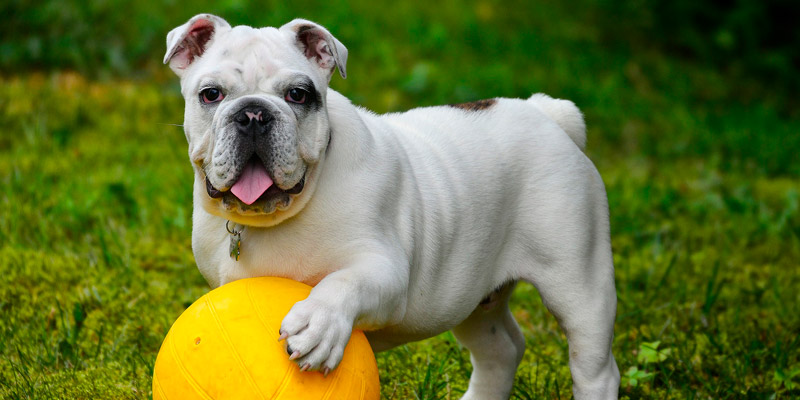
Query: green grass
x=703, y=183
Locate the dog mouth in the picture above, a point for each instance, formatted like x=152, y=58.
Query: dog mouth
x=255, y=190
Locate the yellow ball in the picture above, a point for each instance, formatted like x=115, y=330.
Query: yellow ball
x=225, y=346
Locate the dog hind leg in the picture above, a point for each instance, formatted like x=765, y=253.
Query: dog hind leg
x=587, y=319
x=496, y=347
x=580, y=293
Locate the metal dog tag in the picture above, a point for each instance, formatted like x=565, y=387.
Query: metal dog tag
x=236, y=241
x=236, y=244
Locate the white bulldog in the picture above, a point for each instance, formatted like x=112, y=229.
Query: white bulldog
x=407, y=224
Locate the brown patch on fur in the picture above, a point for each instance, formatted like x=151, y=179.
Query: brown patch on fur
x=476, y=105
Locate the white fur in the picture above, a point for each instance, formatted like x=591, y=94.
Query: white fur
x=563, y=112
x=410, y=219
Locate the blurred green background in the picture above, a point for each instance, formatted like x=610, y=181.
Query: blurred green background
x=693, y=121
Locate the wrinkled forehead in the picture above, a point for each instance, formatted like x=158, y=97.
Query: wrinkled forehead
x=252, y=57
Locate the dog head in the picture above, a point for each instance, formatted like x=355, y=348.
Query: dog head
x=256, y=118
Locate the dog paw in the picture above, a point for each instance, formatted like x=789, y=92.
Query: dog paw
x=316, y=335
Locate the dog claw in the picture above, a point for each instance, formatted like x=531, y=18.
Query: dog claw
x=326, y=371
x=306, y=366
x=294, y=355
x=283, y=336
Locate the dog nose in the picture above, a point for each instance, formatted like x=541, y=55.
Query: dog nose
x=253, y=120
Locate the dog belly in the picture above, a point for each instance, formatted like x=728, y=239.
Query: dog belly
x=428, y=323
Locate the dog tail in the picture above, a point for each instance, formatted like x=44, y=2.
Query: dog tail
x=565, y=114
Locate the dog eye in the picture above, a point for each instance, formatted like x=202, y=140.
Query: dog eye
x=211, y=95
x=296, y=95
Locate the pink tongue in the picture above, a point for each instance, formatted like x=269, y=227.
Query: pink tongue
x=253, y=182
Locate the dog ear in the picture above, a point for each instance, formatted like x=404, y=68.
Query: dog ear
x=319, y=46
x=190, y=40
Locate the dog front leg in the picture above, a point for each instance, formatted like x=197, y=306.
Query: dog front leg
x=367, y=293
